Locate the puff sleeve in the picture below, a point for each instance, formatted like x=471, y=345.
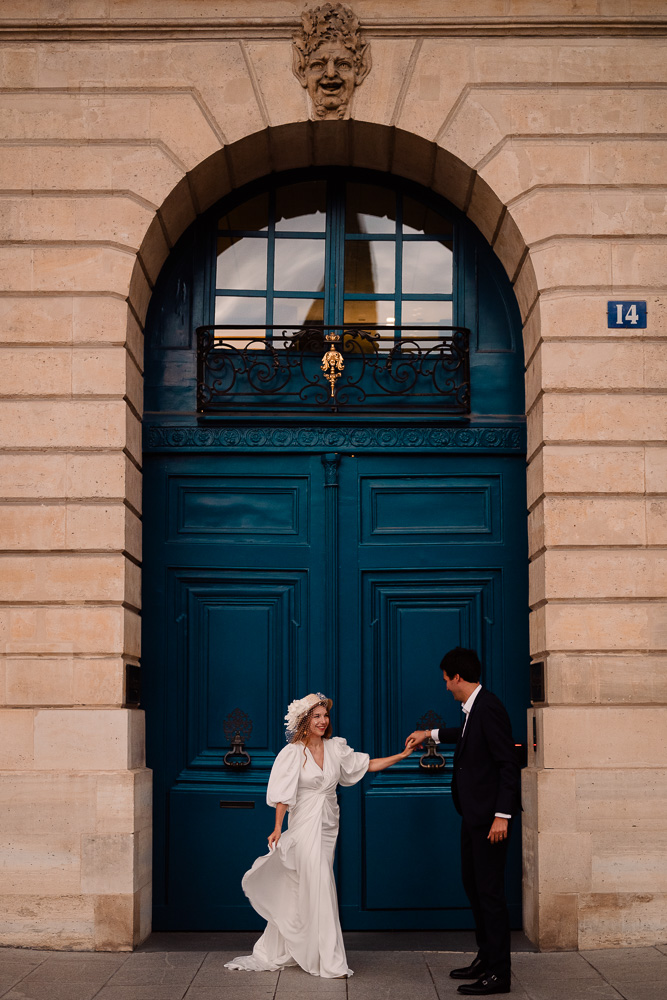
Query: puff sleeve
x=284, y=777
x=353, y=765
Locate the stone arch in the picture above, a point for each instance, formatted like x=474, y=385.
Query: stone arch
x=346, y=143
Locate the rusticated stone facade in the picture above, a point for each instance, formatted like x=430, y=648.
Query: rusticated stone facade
x=120, y=121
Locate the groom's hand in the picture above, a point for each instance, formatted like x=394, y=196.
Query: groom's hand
x=417, y=738
x=498, y=831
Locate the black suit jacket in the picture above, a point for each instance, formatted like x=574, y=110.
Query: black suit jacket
x=486, y=776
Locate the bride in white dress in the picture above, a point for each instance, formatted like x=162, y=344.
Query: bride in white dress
x=293, y=886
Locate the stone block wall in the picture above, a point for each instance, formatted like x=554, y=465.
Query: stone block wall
x=120, y=122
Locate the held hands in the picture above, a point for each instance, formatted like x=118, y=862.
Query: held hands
x=274, y=837
x=406, y=753
x=417, y=738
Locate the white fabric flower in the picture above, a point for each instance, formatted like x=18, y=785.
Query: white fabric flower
x=298, y=708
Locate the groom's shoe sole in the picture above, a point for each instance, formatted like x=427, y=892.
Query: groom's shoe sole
x=475, y=970
x=485, y=987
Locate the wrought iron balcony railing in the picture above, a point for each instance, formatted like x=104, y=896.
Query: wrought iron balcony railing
x=350, y=367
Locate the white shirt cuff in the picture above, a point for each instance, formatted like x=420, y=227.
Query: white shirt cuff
x=502, y=815
x=435, y=734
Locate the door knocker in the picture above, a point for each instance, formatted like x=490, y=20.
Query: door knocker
x=431, y=761
x=237, y=728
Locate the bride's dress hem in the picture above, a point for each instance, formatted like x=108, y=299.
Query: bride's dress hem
x=247, y=963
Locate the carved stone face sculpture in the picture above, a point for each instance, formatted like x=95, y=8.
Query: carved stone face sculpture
x=330, y=58
x=330, y=78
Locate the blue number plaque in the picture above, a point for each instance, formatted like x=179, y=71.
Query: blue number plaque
x=626, y=314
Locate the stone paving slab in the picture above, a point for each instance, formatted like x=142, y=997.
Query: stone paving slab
x=141, y=993
x=383, y=974
x=573, y=989
x=231, y=993
x=632, y=964
x=52, y=991
x=643, y=991
x=73, y=970
x=556, y=965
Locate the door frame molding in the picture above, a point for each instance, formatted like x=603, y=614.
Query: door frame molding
x=350, y=436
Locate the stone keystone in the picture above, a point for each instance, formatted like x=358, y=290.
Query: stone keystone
x=331, y=58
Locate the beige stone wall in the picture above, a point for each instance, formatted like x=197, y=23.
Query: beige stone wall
x=120, y=121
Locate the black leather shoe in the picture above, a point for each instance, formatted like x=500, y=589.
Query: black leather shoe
x=475, y=970
x=485, y=987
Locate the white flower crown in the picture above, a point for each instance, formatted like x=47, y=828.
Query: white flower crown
x=298, y=708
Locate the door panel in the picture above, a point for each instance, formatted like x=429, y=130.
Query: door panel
x=429, y=826
x=241, y=653
x=209, y=846
x=241, y=508
x=438, y=510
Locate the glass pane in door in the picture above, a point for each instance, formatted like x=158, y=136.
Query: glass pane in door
x=299, y=265
x=241, y=263
x=427, y=267
x=369, y=267
x=370, y=209
x=301, y=208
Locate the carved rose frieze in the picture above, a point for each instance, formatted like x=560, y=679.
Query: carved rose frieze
x=331, y=58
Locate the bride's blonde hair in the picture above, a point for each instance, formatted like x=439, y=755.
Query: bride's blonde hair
x=301, y=733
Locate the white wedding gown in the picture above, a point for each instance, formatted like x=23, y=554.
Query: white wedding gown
x=293, y=886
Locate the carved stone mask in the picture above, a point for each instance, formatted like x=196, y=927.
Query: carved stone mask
x=330, y=58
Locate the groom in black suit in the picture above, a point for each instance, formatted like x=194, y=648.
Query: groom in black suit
x=486, y=792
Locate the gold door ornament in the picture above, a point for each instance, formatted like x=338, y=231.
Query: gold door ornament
x=332, y=362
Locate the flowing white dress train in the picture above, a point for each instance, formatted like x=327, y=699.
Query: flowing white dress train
x=293, y=886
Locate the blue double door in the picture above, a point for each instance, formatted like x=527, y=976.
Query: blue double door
x=276, y=574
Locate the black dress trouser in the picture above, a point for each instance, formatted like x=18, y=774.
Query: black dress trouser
x=483, y=867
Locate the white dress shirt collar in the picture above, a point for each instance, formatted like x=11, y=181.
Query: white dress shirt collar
x=467, y=705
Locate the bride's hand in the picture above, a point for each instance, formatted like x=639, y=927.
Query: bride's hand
x=274, y=837
x=408, y=750
x=415, y=739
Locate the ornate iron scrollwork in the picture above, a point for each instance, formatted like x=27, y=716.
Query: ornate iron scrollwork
x=237, y=728
x=431, y=761
x=341, y=367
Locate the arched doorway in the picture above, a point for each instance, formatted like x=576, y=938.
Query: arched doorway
x=294, y=545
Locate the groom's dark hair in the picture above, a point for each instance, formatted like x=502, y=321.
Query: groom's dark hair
x=464, y=662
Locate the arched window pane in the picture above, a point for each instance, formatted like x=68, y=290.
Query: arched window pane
x=370, y=209
x=297, y=312
x=301, y=207
x=426, y=313
x=419, y=219
x=244, y=310
x=369, y=267
x=427, y=268
x=252, y=215
x=241, y=263
x=374, y=312
x=299, y=266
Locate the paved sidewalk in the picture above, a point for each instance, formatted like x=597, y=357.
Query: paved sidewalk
x=184, y=973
